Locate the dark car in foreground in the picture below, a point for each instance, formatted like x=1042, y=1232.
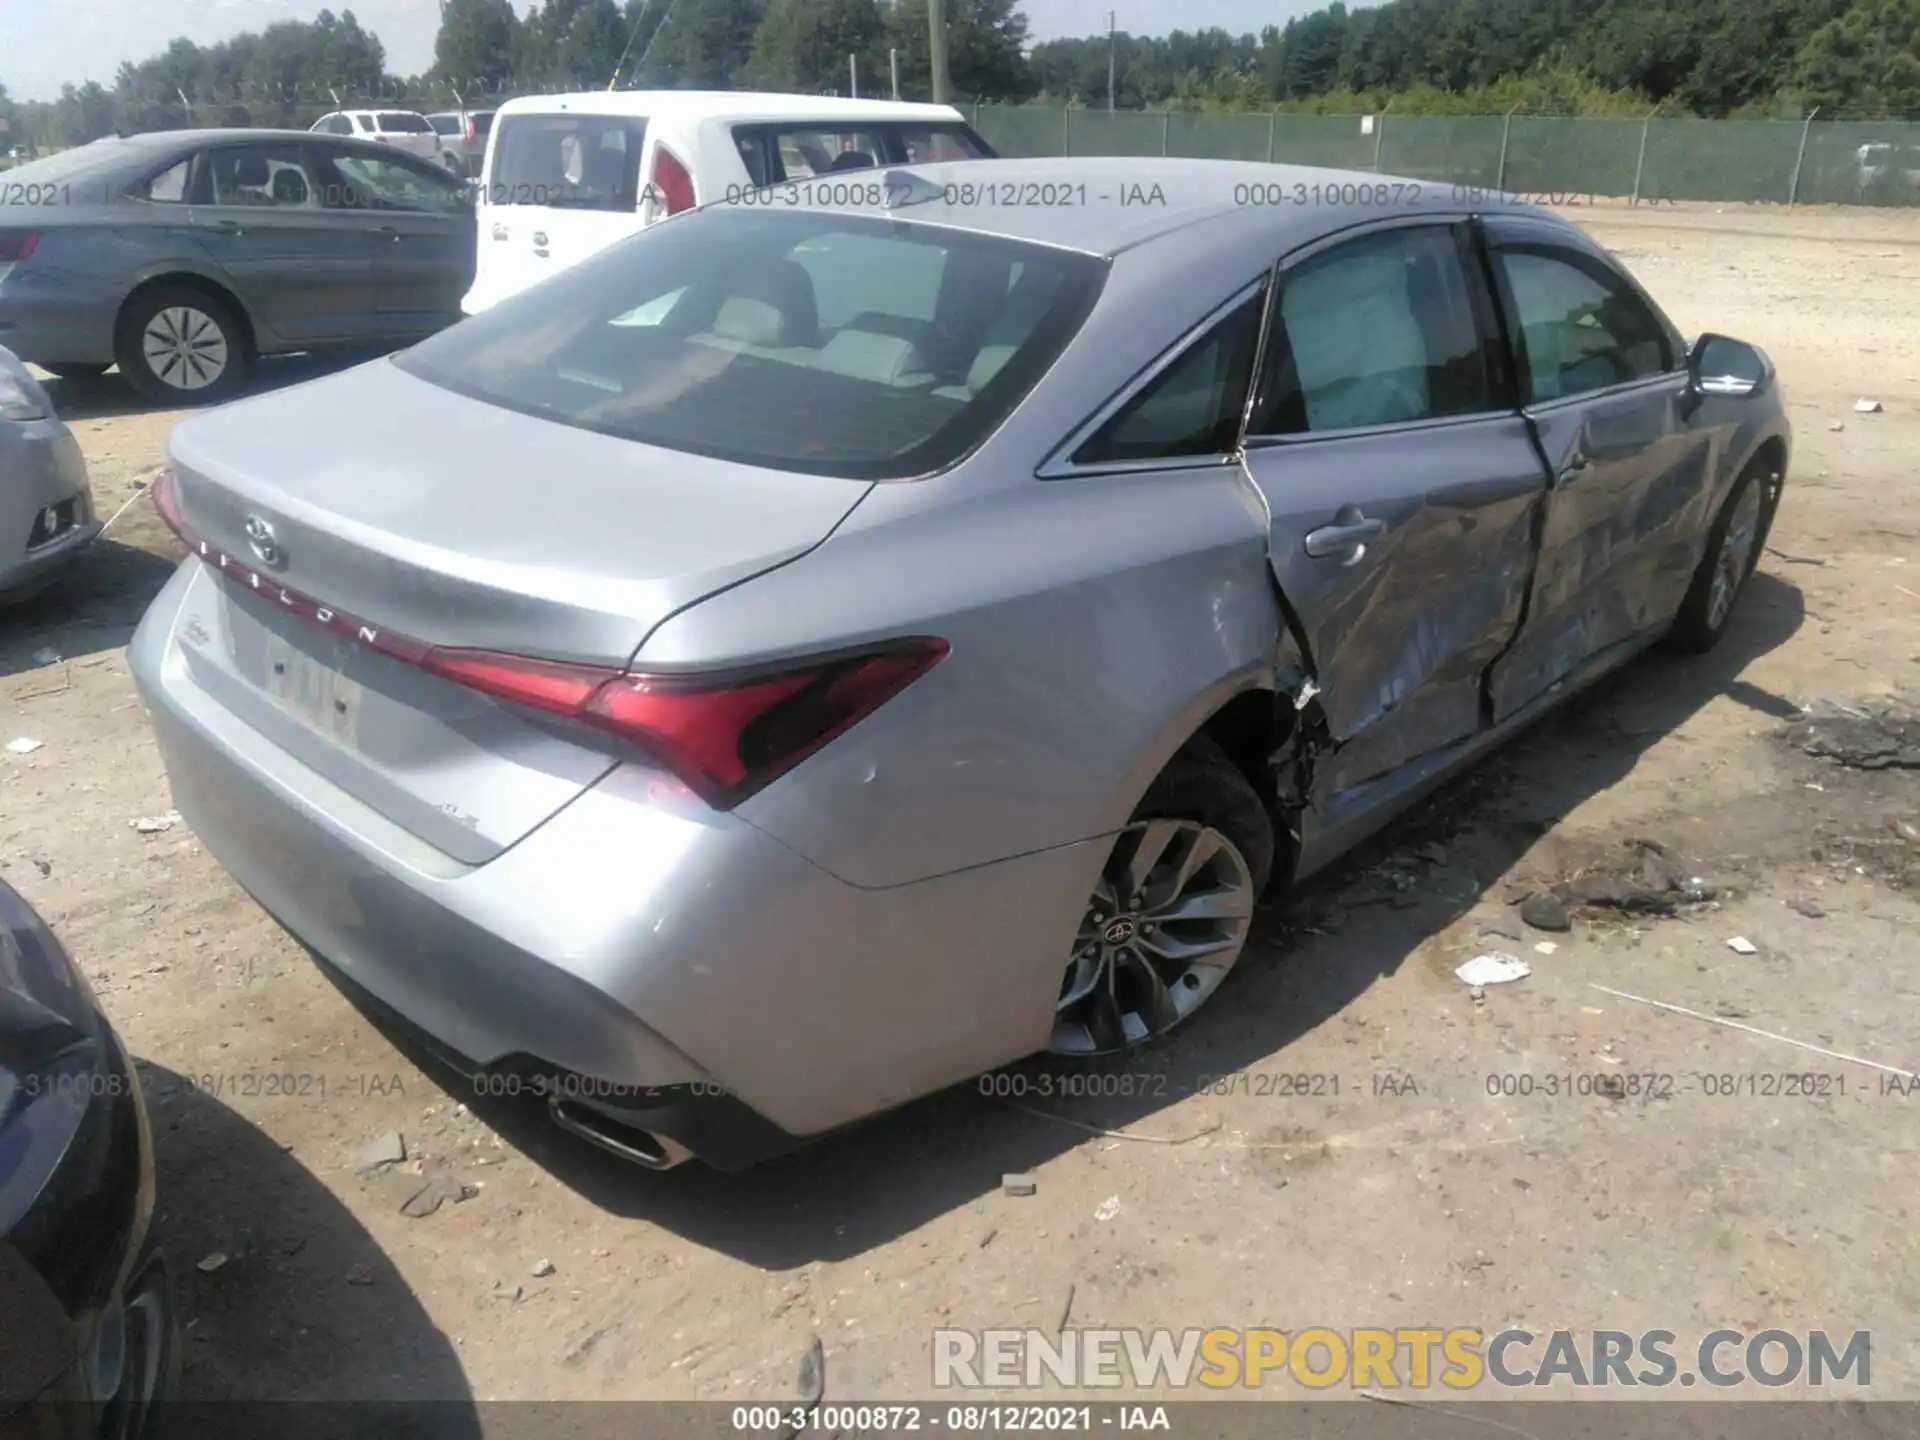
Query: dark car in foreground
x=807, y=655
x=87, y=1325
x=185, y=255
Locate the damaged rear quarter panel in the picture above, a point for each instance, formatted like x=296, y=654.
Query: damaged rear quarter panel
x=1095, y=624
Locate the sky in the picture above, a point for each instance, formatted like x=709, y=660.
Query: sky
x=45, y=43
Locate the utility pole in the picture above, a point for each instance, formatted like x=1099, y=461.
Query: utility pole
x=937, y=48
x=853, y=76
x=1112, y=23
x=893, y=66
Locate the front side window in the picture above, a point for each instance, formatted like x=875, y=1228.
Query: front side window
x=1193, y=407
x=579, y=162
x=1377, y=331
x=711, y=335
x=259, y=176
x=1580, y=327
x=377, y=182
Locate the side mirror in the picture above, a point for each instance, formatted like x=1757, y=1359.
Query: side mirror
x=1717, y=365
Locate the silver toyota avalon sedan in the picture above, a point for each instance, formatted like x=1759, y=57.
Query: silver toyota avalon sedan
x=819, y=650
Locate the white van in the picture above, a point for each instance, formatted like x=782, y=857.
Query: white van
x=567, y=175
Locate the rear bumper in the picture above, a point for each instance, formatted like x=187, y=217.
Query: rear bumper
x=653, y=954
x=41, y=467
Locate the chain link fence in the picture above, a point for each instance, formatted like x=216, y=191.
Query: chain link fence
x=1740, y=161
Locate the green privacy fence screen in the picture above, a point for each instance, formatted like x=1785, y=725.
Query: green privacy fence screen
x=1763, y=161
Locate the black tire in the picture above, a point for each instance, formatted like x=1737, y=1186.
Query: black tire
x=1700, y=623
x=1201, y=783
x=234, y=350
x=67, y=370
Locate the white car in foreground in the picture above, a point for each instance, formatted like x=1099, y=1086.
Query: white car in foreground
x=567, y=175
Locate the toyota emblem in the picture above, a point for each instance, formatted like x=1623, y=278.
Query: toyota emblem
x=260, y=539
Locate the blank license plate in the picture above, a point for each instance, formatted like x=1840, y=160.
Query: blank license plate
x=316, y=692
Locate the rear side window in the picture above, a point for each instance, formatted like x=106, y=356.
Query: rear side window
x=444, y=124
x=579, y=162
x=1193, y=407
x=713, y=335
x=930, y=144
x=1581, y=326
x=168, y=187
x=1378, y=331
x=399, y=122
x=777, y=153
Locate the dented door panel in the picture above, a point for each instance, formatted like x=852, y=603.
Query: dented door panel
x=1399, y=628
x=1628, y=503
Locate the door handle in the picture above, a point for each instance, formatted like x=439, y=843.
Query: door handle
x=228, y=227
x=387, y=230
x=1347, y=537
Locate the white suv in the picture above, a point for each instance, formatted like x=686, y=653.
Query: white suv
x=404, y=130
x=567, y=175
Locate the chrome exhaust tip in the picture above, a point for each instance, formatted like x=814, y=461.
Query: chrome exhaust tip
x=616, y=1136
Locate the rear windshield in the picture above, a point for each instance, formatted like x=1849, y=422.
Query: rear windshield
x=444, y=124
x=398, y=122
x=578, y=162
x=824, y=343
x=72, y=164
x=482, y=123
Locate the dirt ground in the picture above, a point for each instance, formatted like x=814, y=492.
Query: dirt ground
x=1421, y=1198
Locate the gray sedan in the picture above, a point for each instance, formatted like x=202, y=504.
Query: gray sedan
x=803, y=657
x=184, y=255
x=46, y=504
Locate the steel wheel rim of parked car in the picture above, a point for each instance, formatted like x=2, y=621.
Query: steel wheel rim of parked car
x=1168, y=919
x=184, y=347
x=1736, y=556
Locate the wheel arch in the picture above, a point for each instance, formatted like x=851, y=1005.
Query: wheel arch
x=211, y=287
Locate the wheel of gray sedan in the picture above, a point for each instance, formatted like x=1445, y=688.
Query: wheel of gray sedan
x=181, y=346
x=1171, y=911
x=1732, y=554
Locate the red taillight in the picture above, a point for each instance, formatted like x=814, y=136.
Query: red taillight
x=672, y=181
x=473, y=130
x=166, y=499
x=725, y=736
x=17, y=245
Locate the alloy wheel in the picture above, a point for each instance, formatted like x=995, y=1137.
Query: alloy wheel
x=184, y=348
x=1168, y=919
x=1736, y=555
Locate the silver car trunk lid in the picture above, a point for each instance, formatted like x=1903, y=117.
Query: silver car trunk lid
x=411, y=517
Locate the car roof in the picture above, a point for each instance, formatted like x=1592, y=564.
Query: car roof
x=726, y=105
x=1103, y=205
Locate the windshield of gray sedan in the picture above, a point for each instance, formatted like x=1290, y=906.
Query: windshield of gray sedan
x=824, y=343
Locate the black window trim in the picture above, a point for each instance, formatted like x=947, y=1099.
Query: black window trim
x=1500, y=376
x=1060, y=464
x=1520, y=234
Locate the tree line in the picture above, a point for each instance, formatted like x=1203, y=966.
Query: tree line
x=1689, y=57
